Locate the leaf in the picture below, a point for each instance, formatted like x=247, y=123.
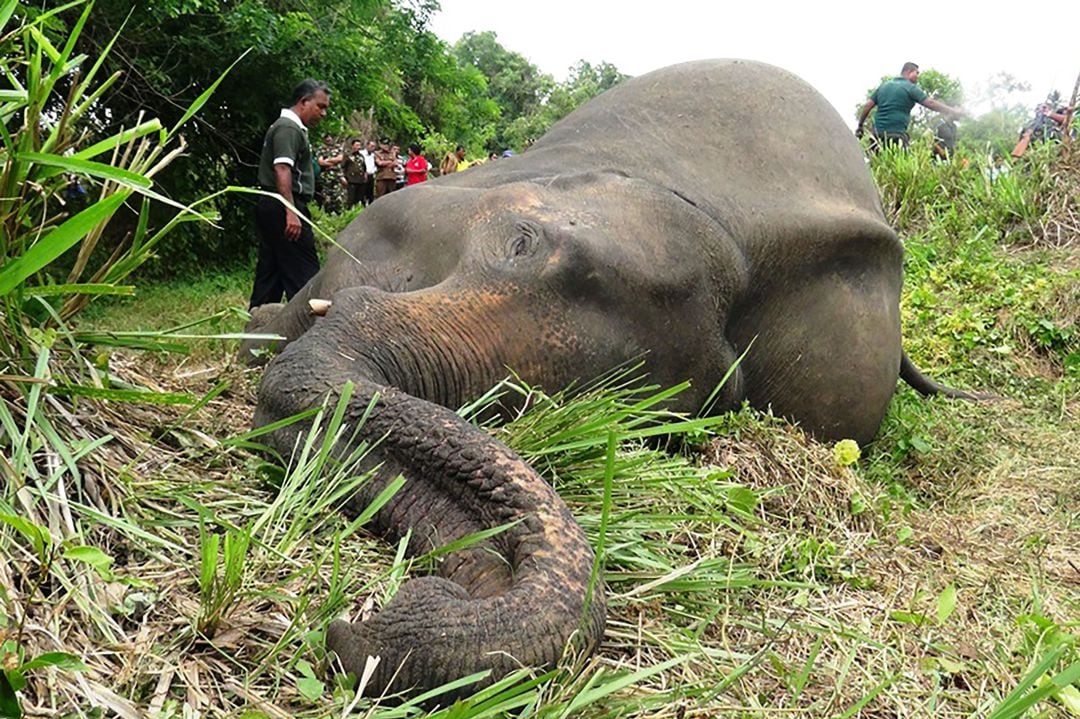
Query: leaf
x=908, y=617
x=920, y=445
x=1070, y=698
x=309, y=686
x=87, y=167
x=122, y=395
x=6, y=11
x=949, y=666
x=39, y=537
x=946, y=604
x=9, y=703
x=99, y=560
x=120, y=138
x=57, y=242
x=203, y=98
x=596, y=692
x=741, y=500
x=81, y=289
x=60, y=660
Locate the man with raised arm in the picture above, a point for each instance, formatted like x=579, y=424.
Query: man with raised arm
x=894, y=100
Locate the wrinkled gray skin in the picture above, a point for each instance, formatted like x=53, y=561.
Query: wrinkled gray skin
x=679, y=218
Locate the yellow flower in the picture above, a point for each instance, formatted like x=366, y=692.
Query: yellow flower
x=846, y=452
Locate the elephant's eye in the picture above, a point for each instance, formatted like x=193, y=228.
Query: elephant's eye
x=525, y=240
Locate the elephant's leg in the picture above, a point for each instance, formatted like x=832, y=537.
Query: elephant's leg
x=826, y=347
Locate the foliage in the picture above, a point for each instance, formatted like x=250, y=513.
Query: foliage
x=529, y=101
x=957, y=215
x=514, y=84
x=375, y=54
x=585, y=81
x=45, y=367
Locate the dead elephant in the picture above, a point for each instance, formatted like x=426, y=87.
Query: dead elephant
x=671, y=218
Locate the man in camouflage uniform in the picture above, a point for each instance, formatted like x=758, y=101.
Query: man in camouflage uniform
x=330, y=183
x=355, y=170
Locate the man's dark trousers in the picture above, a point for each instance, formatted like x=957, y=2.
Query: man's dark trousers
x=284, y=265
x=368, y=195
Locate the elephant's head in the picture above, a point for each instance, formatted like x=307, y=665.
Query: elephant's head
x=445, y=291
x=441, y=290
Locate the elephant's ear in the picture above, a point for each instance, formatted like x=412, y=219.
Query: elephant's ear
x=821, y=320
x=798, y=239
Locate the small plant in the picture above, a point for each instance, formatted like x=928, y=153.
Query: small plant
x=15, y=666
x=218, y=590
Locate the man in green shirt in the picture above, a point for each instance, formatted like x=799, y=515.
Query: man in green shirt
x=894, y=100
x=287, y=257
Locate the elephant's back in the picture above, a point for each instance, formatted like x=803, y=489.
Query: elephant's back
x=749, y=143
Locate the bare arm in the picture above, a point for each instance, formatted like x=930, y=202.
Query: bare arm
x=863, y=113
x=283, y=175
x=941, y=107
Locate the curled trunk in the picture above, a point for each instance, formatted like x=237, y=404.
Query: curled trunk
x=514, y=600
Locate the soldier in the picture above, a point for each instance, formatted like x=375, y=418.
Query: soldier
x=385, y=176
x=329, y=184
x=355, y=170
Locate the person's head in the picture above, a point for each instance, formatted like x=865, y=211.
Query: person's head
x=371, y=146
x=357, y=143
x=910, y=71
x=414, y=150
x=310, y=100
x=384, y=145
x=493, y=156
x=395, y=149
x=460, y=152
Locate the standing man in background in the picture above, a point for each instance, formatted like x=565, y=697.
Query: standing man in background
x=452, y=160
x=894, y=99
x=368, y=153
x=355, y=171
x=385, y=176
x=287, y=257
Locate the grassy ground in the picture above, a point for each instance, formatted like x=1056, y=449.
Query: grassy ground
x=752, y=573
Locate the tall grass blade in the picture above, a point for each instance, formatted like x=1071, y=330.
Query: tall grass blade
x=57, y=242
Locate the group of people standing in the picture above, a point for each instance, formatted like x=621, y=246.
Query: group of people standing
x=363, y=172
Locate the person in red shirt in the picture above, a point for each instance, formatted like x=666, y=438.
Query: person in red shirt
x=416, y=169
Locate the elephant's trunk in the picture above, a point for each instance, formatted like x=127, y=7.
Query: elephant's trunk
x=514, y=600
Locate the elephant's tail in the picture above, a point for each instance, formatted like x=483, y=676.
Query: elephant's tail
x=928, y=387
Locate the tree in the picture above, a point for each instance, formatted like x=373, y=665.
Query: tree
x=585, y=82
x=513, y=83
x=375, y=54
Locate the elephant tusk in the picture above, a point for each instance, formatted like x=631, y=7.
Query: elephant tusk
x=319, y=307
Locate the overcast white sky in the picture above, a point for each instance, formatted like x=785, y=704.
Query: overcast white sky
x=841, y=48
